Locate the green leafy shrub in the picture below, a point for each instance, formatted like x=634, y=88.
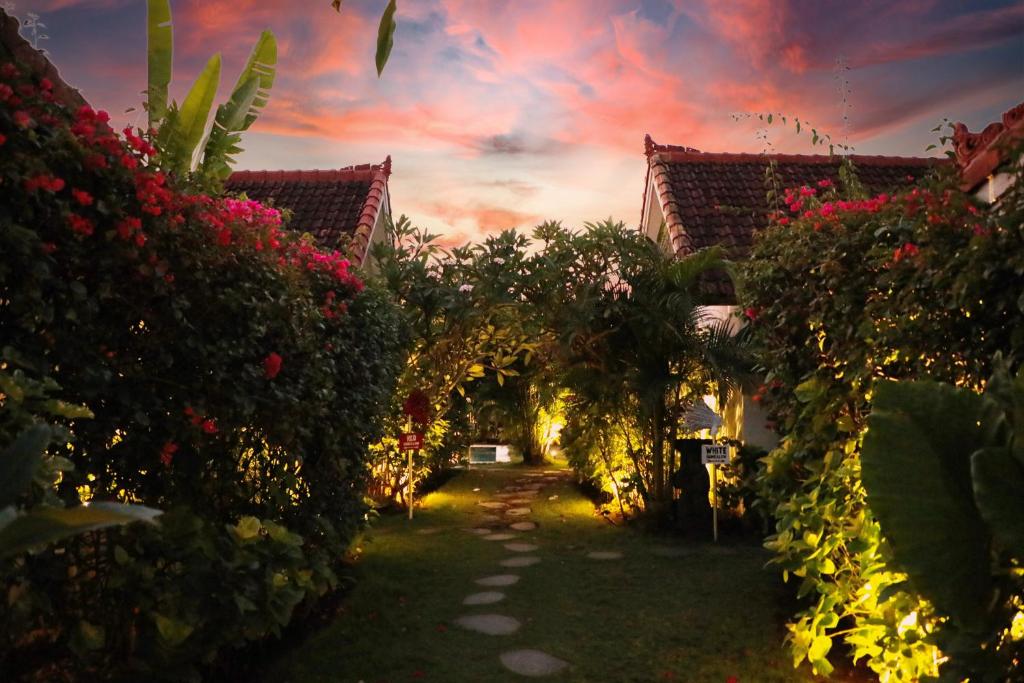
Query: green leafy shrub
x=235, y=374
x=842, y=291
x=943, y=468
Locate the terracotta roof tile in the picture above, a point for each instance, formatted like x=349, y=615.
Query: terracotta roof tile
x=713, y=199
x=979, y=154
x=338, y=207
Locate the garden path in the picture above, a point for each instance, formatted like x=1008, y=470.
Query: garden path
x=469, y=592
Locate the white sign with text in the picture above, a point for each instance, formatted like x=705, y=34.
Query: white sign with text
x=715, y=454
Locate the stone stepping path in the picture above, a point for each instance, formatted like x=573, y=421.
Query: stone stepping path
x=484, y=598
x=521, y=547
x=521, y=561
x=532, y=663
x=491, y=624
x=498, y=580
x=605, y=555
x=521, y=492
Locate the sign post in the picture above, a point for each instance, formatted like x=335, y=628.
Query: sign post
x=411, y=442
x=715, y=455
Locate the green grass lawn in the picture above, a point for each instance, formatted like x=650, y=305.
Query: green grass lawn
x=708, y=615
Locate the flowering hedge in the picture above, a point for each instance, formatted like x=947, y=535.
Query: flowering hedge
x=843, y=290
x=235, y=374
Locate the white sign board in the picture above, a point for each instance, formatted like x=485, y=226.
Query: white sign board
x=715, y=454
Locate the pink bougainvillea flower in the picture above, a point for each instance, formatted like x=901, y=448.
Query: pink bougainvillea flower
x=82, y=197
x=824, y=183
x=272, y=365
x=167, y=453
x=22, y=119
x=751, y=313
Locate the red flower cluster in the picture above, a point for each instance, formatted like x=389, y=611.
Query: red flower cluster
x=272, y=365
x=167, y=453
x=44, y=181
x=81, y=225
x=208, y=425
x=908, y=250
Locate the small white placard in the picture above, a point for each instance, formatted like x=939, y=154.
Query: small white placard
x=715, y=454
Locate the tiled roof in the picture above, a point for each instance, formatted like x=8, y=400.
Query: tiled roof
x=338, y=207
x=713, y=199
x=979, y=154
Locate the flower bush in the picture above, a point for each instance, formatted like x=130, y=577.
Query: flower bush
x=235, y=374
x=923, y=283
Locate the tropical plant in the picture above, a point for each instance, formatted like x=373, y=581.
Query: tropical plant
x=912, y=285
x=181, y=131
x=236, y=374
x=943, y=468
x=631, y=333
x=385, y=33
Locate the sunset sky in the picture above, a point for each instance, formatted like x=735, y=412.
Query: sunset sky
x=504, y=113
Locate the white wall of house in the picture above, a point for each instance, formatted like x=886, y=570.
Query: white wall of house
x=379, y=231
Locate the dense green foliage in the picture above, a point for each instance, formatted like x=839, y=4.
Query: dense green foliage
x=844, y=290
x=943, y=470
x=235, y=375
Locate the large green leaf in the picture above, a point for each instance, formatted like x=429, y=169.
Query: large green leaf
x=262, y=65
x=19, y=461
x=249, y=96
x=194, y=113
x=46, y=525
x=386, y=36
x=916, y=469
x=999, y=493
x=159, y=55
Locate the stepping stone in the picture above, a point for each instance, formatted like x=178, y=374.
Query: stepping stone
x=480, y=531
x=492, y=504
x=670, y=552
x=605, y=555
x=555, y=497
x=523, y=526
x=532, y=663
x=491, y=624
x=520, y=501
x=498, y=580
x=521, y=547
x=500, y=537
x=522, y=561
x=476, y=489
x=490, y=519
x=485, y=598
x=517, y=512
x=427, y=531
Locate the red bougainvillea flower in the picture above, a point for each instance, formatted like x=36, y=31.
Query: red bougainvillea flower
x=22, y=119
x=271, y=365
x=751, y=313
x=908, y=250
x=192, y=415
x=167, y=453
x=81, y=225
x=209, y=426
x=824, y=183
x=82, y=197
x=3, y=139
x=732, y=679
